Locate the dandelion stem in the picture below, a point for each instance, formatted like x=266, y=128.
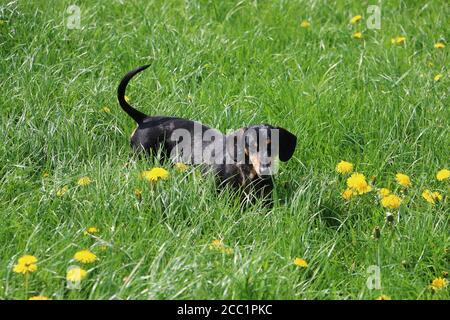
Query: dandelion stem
x=26, y=285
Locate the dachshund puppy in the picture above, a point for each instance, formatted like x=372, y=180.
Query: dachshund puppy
x=244, y=159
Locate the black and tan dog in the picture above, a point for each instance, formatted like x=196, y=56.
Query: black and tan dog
x=243, y=159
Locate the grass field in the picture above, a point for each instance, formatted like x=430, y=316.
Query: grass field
x=369, y=101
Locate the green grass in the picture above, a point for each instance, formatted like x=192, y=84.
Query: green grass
x=226, y=64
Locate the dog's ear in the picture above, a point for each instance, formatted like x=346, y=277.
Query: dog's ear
x=288, y=142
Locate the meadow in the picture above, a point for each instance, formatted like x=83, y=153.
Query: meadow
x=78, y=220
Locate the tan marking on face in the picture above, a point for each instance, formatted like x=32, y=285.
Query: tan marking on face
x=254, y=159
x=253, y=173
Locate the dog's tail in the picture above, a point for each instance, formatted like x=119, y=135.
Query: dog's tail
x=132, y=112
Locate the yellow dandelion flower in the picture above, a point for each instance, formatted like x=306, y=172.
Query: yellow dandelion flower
x=383, y=297
x=226, y=250
x=39, y=298
x=398, y=40
x=391, y=201
x=62, y=191
x=344, y=167
x=105, y=109
x=403, y=180
x=127, y=99
x=439, y=45
x=384, y=192
x=84, y=181
x=357, y=35
x=355, y=19
x=181, y=167
x=27, y=259
x=427, y=195
x=299, y=262
x=438, y=283
x=358, y=183
x=25, y=268
x=91, y=230
x=219, y=246
x=85, y=256
x=365, y=189
x=438, y=77
x=26, y=264
x=347, y=194
x=216, y=243
x=76, y=274
x=305, y=24
x=431, y=197
x=443, y=174
x=356, y=180
x=437, y=196
x=155, y=174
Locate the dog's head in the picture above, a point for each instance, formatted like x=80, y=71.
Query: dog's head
x=259, y=146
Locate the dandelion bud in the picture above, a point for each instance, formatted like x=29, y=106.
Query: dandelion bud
x=389, y=217
x=138, y=193
x=376, y=233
